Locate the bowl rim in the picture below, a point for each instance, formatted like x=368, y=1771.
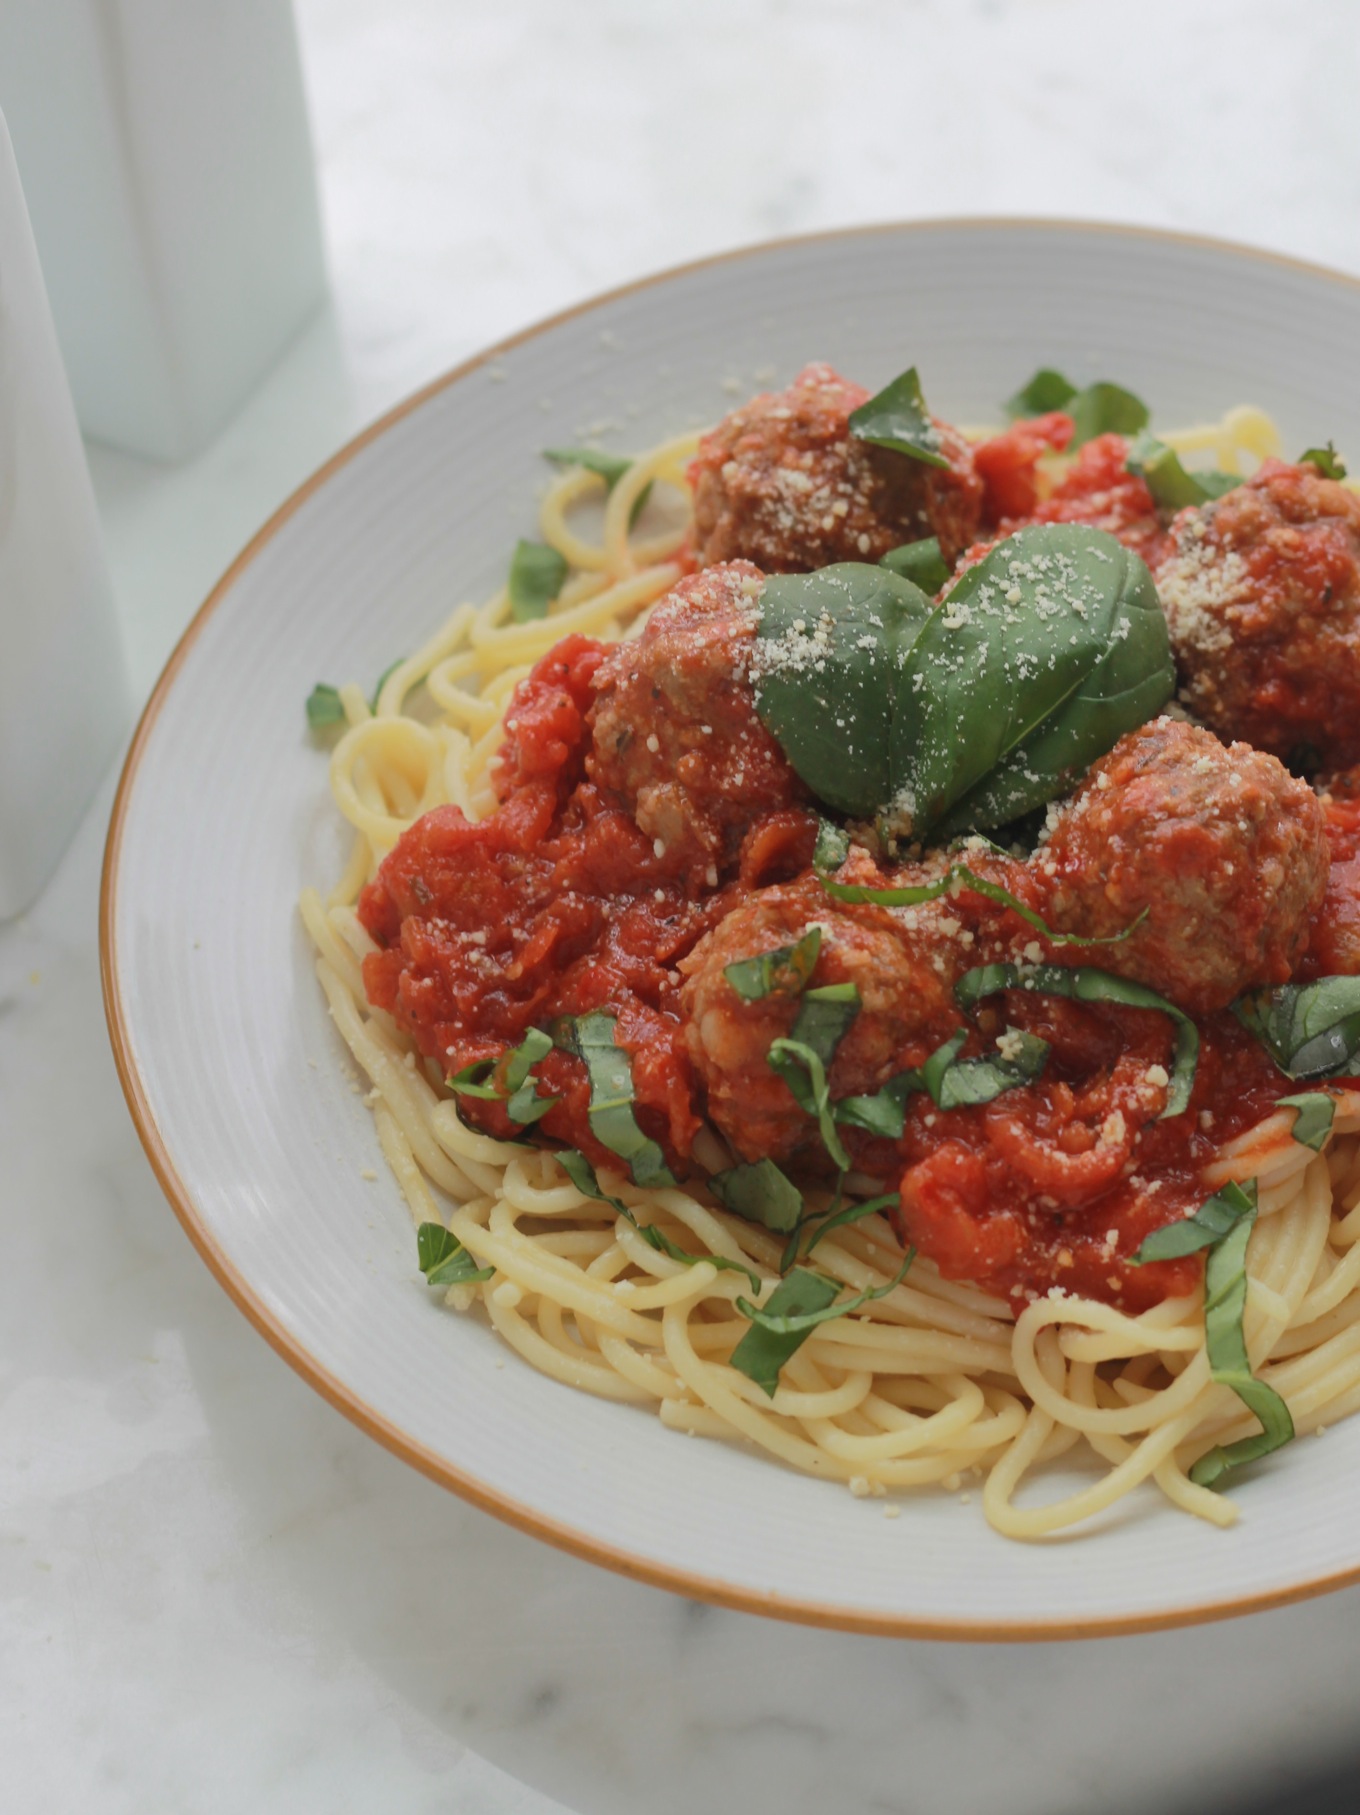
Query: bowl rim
x=338, y=1393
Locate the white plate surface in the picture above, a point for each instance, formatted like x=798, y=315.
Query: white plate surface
x=224, y=814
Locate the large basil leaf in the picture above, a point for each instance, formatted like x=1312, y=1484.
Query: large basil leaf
x=1038, y=660
x=1083, y=984
x=898, y=419
x=827, y=669
x=920, y=562
x=1311, y=1030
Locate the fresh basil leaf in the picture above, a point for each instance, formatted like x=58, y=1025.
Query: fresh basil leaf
x=444, y=1260
x=471, y=1081
x=1225, y=1298
x=391, y=668
x=611, y=1116
x=610, y=467
x=536, y=575
x=324, y=708
x=804, y=1071
x=1170, y=484
x=832, y=847
x=1103, y=409
x=897, y=418
x=1083, y=984
x=782, y=972
x=1037, y=662
x=761, y=1193
x=1310, y=1030
x=1313, y=1122
x=1327, y=461
x=853, y=1213
x=582, y=1174
x=794, y=1309
x=827, y=667
x=1207, y=1225
x=916, y=894
x=762, y=1352
x=1046, y=391
x=920, y=562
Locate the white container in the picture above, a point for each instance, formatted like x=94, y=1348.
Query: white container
x=166, y=157
x=64, y=700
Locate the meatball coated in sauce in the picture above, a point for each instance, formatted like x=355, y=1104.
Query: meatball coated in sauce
x=782, y=482
x=674, y=729
x=1262, y=596
x=1220, y=849
x=904, y=999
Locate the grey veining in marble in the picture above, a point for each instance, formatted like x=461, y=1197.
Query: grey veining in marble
x=217, y=1595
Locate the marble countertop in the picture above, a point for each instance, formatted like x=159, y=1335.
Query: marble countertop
x=217, y=1594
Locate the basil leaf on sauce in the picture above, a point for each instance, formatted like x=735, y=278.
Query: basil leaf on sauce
x=971, y=1082
x=444, y=1260
x=610, y=1112
x=471, y=1081
x=1313, y=1121
x=1103, y=409
x=536, y=575
x=1046, y=391
x=508, y=1079
x=1083, y=984
x=1214, y=1219
x=897, y=418
x=609, y=467
x=917, y=894
x=884, y=1113
x=804, y=1071
x=761, y=1193
x=1170, y=484
x=324, y=708
x=782, y=972
x=1036, y=663
x=1310, y=1030
x=1327, y=461
x=793, y=1311
x=827, y=668
x=920, y=562
x=582, y=1174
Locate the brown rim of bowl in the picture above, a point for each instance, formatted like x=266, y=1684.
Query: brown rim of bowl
x=436, y=1467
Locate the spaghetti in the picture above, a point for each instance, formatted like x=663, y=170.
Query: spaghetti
x=932, y=1381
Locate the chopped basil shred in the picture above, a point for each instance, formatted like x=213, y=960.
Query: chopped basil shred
x=897, y=418
x=1315, y=1111
x=324, y=708
x=1310, y=1030
x=582, y=1174
x=853, y=1213
x=1168, y=481
x=1327, y=461
x=916, y=894
x=920, y=562
x=804, y=1071
x=508, y=1079
x=612, y=1121
x=788, y=1317
x=884, y=1113
x=536, y=576
x=761, y=1193
x=781, y=972
x=444, y=1260
x=1082, y=984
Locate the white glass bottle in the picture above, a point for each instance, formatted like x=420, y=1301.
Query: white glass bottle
x=64, y=702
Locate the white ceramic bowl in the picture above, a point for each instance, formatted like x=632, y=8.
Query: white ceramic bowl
x=239, y=1085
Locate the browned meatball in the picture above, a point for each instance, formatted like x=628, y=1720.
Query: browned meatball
x=1222, y=849
x=904, y=998
x=1262, y=596
x=674, y=724
x=782, y=482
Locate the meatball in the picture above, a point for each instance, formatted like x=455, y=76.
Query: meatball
x=1262, y=595
x=782, y=482
x=905, y=1010
x=674, y=727
x=1220, y=849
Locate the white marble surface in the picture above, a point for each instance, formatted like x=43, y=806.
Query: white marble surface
x=217, y=1595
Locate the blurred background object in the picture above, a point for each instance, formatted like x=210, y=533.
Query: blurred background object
x=64, y=701
x=166, y=158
